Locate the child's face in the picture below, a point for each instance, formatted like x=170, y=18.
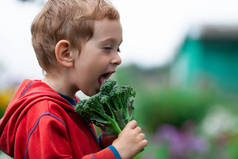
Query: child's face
x=99, y=57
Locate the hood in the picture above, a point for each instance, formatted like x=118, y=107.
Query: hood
x=28, y=93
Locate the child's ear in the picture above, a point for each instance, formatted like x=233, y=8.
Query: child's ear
x=64, y=54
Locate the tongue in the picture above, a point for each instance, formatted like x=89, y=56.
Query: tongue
x=101, y=80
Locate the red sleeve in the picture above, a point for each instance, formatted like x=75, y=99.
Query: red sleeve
x=103, y=154
x=48, y=139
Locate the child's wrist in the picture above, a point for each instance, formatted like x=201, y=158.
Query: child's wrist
x=115, y=152
x=120, y=150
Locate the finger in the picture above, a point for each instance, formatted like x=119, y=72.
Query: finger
x=138, y=130
x=141, y=136
x=132, y=124
x=144, y=143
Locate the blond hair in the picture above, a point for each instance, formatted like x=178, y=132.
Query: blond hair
x=71, y=20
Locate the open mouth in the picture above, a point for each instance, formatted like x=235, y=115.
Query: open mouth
x=104, y=77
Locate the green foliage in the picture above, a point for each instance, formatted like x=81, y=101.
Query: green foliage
x=1, y=113
x=162, y=152
x=5, y=97
x=171, y=106
x=109, y=109
x=231, y=146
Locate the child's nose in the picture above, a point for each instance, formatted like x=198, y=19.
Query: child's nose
x=116, y=59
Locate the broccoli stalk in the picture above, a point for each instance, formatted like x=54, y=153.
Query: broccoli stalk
x=108, y=109
x=120, y=96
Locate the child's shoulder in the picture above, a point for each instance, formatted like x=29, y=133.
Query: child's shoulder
x=40, y=98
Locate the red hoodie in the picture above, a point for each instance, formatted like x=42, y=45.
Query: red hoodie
x=40, y=124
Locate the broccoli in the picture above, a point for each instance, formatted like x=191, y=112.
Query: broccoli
x=110, y=109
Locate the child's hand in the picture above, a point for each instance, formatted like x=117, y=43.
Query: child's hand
x=130, y=141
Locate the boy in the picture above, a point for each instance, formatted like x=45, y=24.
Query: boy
x=76, y=43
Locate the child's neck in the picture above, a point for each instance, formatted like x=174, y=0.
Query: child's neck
x=59, y=84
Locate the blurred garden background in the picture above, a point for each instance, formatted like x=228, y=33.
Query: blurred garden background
x=187, y=91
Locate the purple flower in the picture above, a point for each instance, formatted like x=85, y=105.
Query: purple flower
x=181, y=143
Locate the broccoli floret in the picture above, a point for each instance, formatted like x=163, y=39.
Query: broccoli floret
x=107, y=87
x=92, y=110
x=110, y=109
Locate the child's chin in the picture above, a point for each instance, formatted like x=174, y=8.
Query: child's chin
x=93, y=92
x=97, y=91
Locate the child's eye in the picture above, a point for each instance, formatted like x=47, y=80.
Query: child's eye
x=111, y=48
x=107, y=48
x=118, y=50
